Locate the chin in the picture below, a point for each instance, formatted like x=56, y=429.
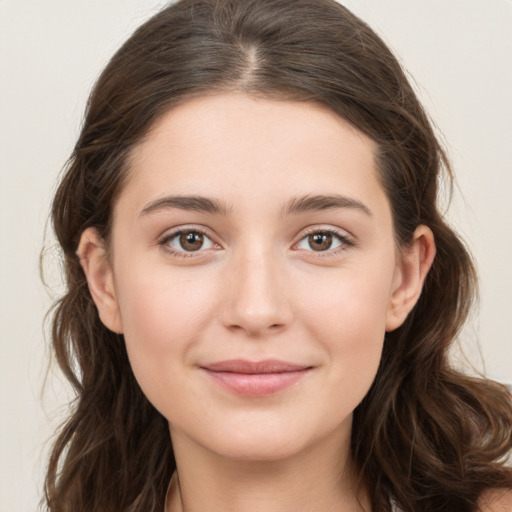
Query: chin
x=272, y=441
x=260, y=448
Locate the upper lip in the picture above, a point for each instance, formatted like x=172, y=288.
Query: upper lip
x=254, y=367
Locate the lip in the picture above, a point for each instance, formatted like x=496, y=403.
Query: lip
x=255, y=378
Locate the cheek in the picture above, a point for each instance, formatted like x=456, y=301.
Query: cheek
x=351, y=301
x=163, y=315
x=163, y=303
x=349, y=318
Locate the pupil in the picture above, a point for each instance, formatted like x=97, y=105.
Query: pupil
x=320, y=241
x=191, y=241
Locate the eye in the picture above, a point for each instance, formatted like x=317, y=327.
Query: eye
x=323, y=241
x=187, y=241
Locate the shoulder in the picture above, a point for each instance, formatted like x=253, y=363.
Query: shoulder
x=496, y=500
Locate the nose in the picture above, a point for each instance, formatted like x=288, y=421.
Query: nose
x=256, y=299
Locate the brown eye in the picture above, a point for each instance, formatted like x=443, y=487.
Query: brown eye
x=320, y=241
x=324, y=241
x=191, y=241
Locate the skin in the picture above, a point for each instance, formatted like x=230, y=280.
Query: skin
x=255, y=290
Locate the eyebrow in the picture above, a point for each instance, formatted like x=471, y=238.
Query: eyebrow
x=295, y=206
x=194, y=203
x=311, y=203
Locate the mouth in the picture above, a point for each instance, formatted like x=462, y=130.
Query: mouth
x=255, y=379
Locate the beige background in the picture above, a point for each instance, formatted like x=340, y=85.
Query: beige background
x=459, y=52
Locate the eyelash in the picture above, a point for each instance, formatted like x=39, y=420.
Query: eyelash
x=345, y=242
x=166, y=239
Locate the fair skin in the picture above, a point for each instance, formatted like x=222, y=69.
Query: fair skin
x=496, y=500
x=255, y=230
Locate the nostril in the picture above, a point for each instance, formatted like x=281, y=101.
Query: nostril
x=255, y=302
x=253, y=329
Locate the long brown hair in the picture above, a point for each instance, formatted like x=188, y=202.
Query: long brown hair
x=425, y=435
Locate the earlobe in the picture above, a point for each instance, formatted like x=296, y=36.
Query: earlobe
x=98, y=271
x=414, y=265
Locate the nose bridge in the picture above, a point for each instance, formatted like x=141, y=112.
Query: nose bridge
x=257, y=300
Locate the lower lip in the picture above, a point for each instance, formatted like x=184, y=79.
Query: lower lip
x=257, y=384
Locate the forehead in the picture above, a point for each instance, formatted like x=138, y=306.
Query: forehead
x=241, y=148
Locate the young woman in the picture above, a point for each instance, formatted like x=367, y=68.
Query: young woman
x=261, y=290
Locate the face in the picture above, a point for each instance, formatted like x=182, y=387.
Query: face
x=253, y=271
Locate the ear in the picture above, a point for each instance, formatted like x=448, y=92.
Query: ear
x=100, y=279
x=412, y=269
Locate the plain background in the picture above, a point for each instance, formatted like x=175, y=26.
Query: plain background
x=51, y=51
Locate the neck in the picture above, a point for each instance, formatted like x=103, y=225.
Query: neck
x=317, y=480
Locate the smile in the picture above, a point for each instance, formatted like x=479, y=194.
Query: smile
x=255, y=378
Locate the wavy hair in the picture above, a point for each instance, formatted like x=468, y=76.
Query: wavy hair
x=425, y=434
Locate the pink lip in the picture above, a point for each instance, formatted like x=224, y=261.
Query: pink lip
x=255, y=378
